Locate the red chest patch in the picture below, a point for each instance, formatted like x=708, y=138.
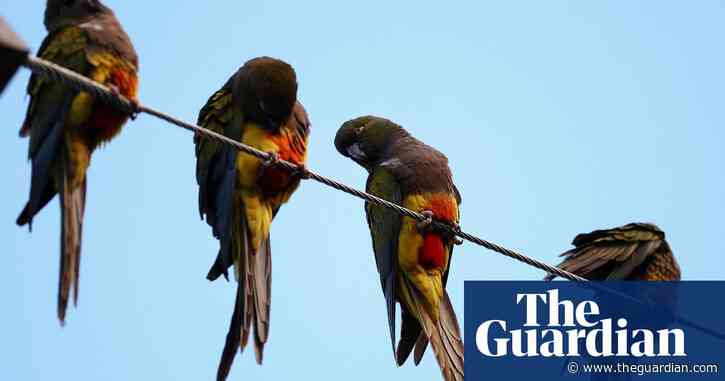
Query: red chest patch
x=432, y=254
x=106, y=121
x=276, y=179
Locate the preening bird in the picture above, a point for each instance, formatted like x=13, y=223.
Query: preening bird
x=413, y=258
x=633, y=252
x=66, y=126
x=636, y=251
x=239, y=195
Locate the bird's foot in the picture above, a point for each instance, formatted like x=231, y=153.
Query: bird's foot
x=431, y=225
x=448, y=231
x=453, y=235
x=135, y=108
x=301, y=172
x=271, y=161
x=426, y=225
x=135, y=105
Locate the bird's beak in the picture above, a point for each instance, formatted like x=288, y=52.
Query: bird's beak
x=356, y=153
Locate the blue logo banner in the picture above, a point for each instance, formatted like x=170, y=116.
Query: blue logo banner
x=598, y=331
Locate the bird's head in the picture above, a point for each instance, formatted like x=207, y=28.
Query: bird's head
x=62, y=13
x=366, y=140
x=269, y=93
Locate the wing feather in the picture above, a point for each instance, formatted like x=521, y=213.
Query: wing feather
x=385, y=229
x=611, y=254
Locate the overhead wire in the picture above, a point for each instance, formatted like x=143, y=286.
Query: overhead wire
x=133, y=108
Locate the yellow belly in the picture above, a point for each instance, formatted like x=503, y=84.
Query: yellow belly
x=257, y=209
x=427, y=282
x=248, y=166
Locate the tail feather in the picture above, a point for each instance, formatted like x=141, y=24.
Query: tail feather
x=238, y=334
x=233, y=247
x=420, y=346
x=72, y=206
x=243, y=271
x=46, y=121
x=80, y=208
x=409, y=333
x=451, y=329
x=233, y=337
x=443, y=335
x=254, y=282
x=262, y=276
x=445, y=339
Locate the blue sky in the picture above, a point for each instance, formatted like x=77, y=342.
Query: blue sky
x=558, y=117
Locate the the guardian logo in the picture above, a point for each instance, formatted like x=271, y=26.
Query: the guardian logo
x=571, y=327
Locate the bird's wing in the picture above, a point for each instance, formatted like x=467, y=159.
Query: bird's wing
x=216, y=175
x=611, y=254
x=410, y=334
x=385, y=228
x=50, y=105
x=65, y=48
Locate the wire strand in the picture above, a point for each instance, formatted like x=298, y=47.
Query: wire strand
x=99, y=91
x=79, y=82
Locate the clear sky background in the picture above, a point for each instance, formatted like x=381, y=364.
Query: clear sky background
x=558, y=117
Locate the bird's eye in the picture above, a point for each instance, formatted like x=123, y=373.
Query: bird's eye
x=359, y=130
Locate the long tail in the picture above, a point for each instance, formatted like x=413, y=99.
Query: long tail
x=445, y=338
x=233, y=336
x=50, y=166
x=253, y=272
x=261, y=274
x=72, y=208
x=252, y=306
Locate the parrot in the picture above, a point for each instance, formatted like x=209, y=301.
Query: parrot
x=413, y=258
x=633, y=252
x=636, y=251
x=239, y=195
x=66, y=126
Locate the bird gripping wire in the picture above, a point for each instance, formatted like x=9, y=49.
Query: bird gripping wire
x=79, y=82
x=15, y=53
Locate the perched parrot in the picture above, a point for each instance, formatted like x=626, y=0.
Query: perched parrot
x=633, y=252
x=239, y=195
x=65, y=125
x=636, y=251
x=413, y=258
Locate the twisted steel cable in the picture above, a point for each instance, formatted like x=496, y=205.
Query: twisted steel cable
x=106, y=95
